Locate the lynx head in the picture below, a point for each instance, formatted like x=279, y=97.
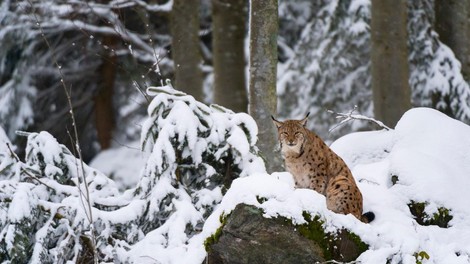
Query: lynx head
x=292, y=134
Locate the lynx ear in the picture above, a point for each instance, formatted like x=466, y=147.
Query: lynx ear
x=277, y=123
x=304, y=121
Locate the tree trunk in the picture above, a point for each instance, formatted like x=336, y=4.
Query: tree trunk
x=263, y=62
x=389, y=60
x=186, y=52
x=104, y=109
x=453, y=26
x=229, y=18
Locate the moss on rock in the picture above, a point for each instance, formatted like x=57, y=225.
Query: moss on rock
x=214, y=238
x=394, y=179
x=440, y=218
x=421, y=256
x=340, y=246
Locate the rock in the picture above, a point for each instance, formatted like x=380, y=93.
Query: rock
x=247, y=237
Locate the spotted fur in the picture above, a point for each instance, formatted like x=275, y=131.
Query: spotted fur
x=314, y=165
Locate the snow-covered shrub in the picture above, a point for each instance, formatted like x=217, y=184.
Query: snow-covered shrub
x=54, y=208
x=44, y=216
x=196, y=151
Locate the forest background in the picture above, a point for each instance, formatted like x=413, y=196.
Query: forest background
x=327, y=55
x=107, y=53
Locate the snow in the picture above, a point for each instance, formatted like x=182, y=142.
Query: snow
x=429, y=153
x=45, y=144
x=122, y=164
x=20, y=206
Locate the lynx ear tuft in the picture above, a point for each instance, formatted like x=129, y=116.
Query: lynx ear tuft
x=277, y=123
x=304, y=121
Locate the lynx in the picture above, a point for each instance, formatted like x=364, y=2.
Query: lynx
x=314, y=165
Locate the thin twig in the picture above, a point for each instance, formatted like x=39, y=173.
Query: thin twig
x=82, y=194
x=13, y=154
x=89, y=214
x=124, y=145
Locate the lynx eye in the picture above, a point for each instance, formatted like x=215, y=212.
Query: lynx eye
x=298, y=134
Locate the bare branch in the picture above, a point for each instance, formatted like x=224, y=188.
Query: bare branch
x=13, y=154
x=80, y=166
x=349, y=116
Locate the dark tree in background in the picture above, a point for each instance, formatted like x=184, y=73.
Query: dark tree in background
x=389, y=60
x=228, y=35
x=262, y=84
x=104, y=109
x=453, y=26
x=185, y=47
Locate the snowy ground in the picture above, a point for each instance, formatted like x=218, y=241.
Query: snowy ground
x=122, y=164
x=429, y=153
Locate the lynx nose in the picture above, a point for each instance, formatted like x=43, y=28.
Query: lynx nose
x=290, y=143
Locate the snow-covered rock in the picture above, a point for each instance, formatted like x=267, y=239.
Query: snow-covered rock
x=427, y=152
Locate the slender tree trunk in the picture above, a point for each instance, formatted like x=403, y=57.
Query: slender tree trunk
x=389, y=60
x=185, y=47
x=453, y=26
x=104, y=109
x=263, y=66
x=229, y=18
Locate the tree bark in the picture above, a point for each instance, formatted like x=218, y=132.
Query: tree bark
x=262, y=84
x=453, y=26
x=185, y=47
x=229, y=18
x=104, y=109
x=389, y=60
